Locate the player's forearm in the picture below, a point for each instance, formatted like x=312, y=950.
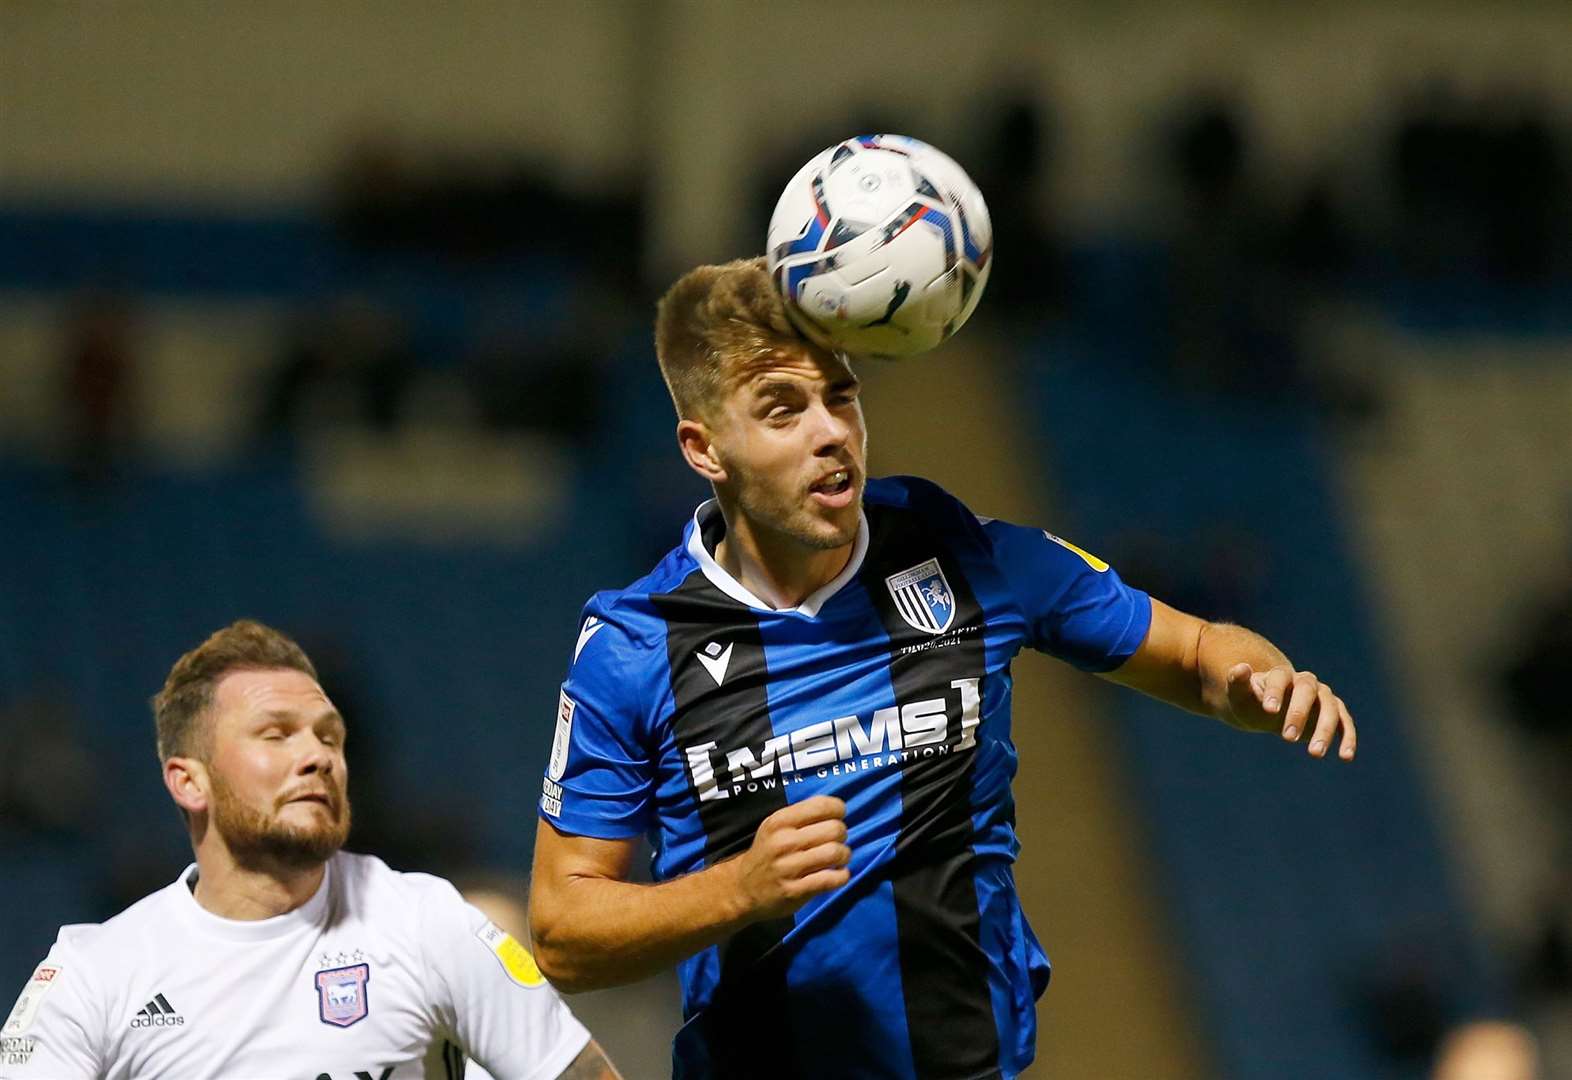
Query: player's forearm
x=591, y=1064
x=594, y=932
x=1219, y=648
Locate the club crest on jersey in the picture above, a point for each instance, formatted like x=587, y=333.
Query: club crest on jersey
x=923, y=597
x=341, y=994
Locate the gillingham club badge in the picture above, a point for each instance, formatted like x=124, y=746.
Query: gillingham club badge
x=923, y=597
x=341, y=994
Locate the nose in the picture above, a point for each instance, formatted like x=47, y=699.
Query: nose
x=317, y=758
x=831, y=431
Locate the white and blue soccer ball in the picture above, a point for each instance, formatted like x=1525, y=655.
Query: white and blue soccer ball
x=880, y=246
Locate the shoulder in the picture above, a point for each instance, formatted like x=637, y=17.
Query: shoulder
x=623, y=620
x=907, y=493
x=423, y=916
x=618, y=658
x=146, y=924
x=403, y=903
x=914, y=493
x=629, y=615
x=75, y=946
x=623, y=629
x=92, y=958
x=944, y=510
x=366, y=879
x=937, y=508
x=618, y=650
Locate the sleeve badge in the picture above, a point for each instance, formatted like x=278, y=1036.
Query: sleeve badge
x=514, y=958
x=26, y=1008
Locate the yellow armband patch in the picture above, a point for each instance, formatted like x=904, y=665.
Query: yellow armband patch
x=1086, y=556
x=515, y=958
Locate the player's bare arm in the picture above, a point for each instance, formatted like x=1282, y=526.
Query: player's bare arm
x=593, y=928
x=591, y=1064
x=1237, y=676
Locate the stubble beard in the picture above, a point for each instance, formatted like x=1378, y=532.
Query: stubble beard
x=259, y=841
x=793, y=521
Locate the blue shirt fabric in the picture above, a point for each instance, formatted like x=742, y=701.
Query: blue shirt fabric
x=692, y=711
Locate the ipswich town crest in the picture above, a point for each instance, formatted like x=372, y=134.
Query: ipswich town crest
x=341, y=994
x=923, y=597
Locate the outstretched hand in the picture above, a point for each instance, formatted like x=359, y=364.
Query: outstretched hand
x=1296, y=703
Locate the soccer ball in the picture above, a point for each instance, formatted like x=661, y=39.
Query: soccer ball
x=880, y=246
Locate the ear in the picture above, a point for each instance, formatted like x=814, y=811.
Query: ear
x=697, y=443
x=187, y=782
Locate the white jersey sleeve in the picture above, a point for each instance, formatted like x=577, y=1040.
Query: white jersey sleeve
x=491, y=996
x=55, y=1028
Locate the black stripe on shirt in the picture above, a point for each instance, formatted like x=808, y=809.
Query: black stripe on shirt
x=731, y=714
x=944, y=970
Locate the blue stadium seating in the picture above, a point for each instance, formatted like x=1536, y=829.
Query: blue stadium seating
x=1333, y=873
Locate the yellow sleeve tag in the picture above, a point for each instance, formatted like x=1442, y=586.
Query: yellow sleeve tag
x=515, y=958
x=1086, y=556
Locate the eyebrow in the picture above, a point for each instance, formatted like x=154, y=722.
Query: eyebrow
x=775, y=388
x=785, y=388
x=332, y=716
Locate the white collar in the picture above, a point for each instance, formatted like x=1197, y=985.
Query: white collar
x=737, y=591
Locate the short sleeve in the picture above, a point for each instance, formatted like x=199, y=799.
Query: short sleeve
x=49, y=1032
x=1077, y=607
x=600, y=776
x=490, y=995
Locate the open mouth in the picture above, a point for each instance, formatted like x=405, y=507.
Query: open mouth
x=833, y=484
x=833, y=489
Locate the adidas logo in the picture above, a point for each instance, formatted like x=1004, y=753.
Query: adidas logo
x=157, y=1013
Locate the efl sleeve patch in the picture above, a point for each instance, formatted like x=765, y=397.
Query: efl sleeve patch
x=26, y=1008
x=600, y=777
x=515, y=958
x=551, y=790
x=564, y=736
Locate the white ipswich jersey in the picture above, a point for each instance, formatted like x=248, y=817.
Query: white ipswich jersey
x=380, y=975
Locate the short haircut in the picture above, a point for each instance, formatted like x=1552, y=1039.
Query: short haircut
x=244, y=645
x=712, y=324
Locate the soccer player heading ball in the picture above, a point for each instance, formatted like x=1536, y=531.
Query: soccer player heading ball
x=806, y=705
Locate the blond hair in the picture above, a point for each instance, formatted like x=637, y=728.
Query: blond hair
x=244, y=645
x=712, y=324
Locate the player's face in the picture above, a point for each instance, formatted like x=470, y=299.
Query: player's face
x=791, y=437
x=277, y=770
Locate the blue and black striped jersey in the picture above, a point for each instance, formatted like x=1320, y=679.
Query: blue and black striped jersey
x=692, y=711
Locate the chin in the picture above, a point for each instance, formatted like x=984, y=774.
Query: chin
x=828, y=535
x=307, y=817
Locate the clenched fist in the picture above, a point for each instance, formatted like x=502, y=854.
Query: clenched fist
x=798, y=852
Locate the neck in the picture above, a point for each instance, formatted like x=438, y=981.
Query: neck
x=249, y=893
x=779, y=570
